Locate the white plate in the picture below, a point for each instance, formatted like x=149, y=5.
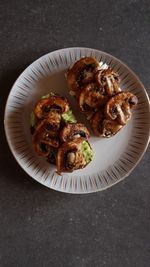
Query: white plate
x=114, y=159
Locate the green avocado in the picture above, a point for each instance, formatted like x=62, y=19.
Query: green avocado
x=48, y=95
x=68, y=117
x=32, y=120
x=87, y=151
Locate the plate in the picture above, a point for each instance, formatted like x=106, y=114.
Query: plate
x=115, y=157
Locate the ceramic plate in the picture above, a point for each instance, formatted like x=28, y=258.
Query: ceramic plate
x=115, y=157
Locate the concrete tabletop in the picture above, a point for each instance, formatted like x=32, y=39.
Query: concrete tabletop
x=38, y=226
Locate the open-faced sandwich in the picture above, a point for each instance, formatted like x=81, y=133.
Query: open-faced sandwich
x=97, y=89
x=57, y=136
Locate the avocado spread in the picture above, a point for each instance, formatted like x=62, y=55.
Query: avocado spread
x=68, y=117
x=87, y=151
x=48, y=95
x=32, y=120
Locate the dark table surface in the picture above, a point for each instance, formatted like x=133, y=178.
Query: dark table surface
x=41, y=227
